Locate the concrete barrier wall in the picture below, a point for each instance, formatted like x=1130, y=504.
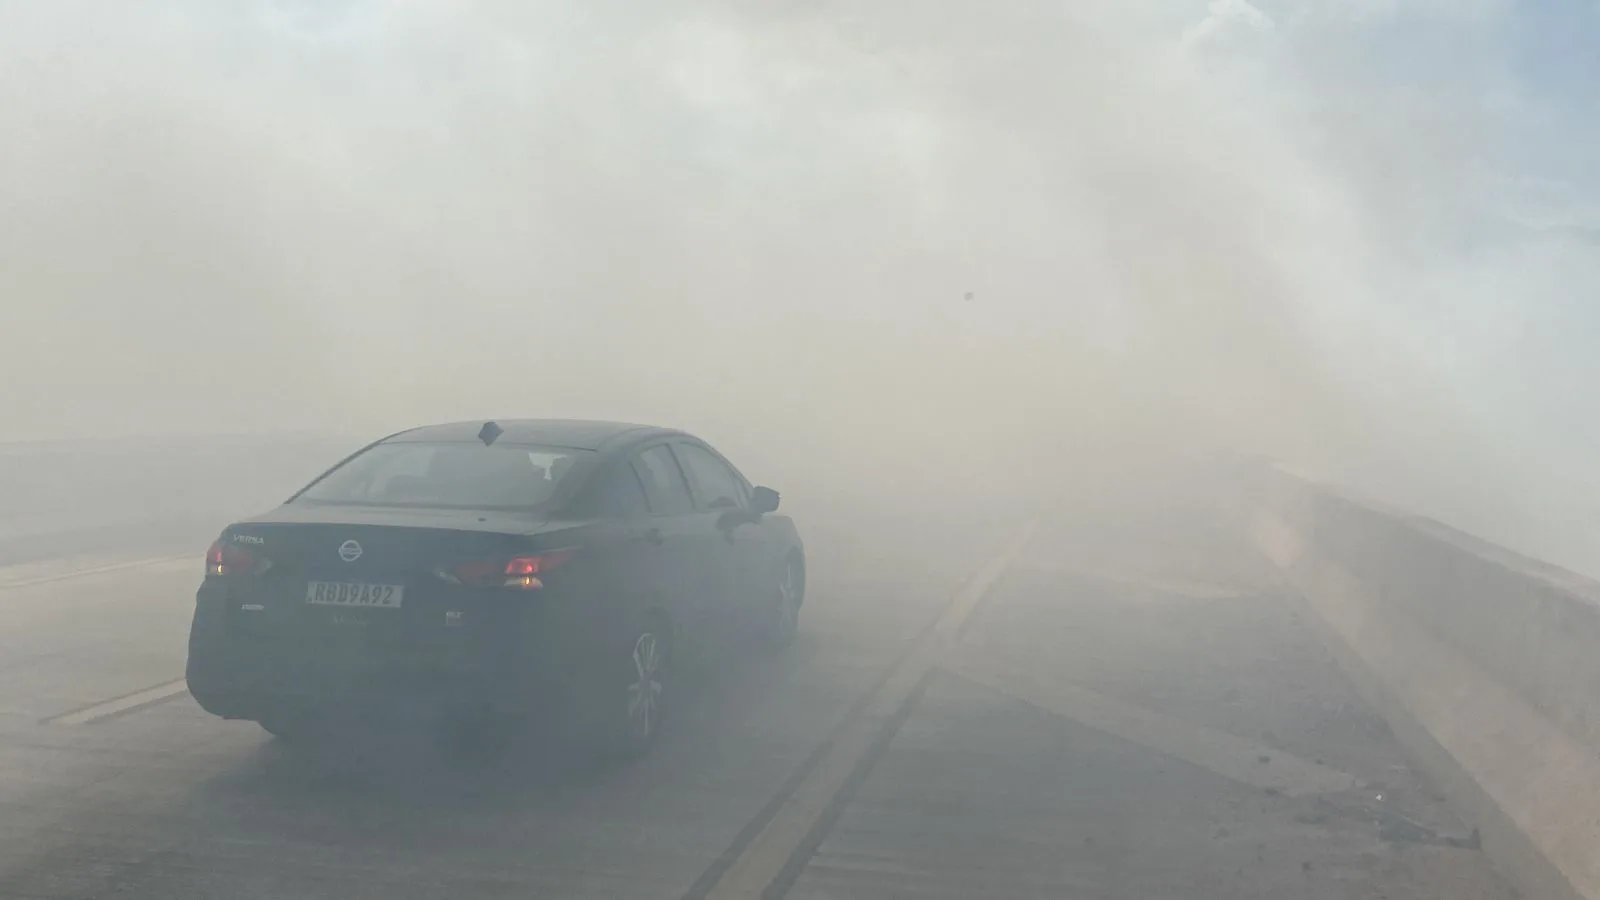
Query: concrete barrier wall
x=1485, y=663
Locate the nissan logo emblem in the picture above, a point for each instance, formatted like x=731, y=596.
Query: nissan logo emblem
x=349, y=551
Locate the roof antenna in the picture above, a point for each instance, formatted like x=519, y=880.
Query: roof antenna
x=489, y=432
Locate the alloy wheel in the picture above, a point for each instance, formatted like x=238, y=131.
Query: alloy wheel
x=644, y=693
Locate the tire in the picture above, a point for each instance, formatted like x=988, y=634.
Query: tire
x=633, y=694
x=782, y=618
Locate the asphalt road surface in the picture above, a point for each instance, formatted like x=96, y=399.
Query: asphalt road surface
x=976, y=709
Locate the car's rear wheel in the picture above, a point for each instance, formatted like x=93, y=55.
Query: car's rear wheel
x=783, y=622
x=634, y=700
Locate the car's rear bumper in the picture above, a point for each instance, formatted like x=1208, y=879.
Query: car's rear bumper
x=523, y=664
x=237, y=682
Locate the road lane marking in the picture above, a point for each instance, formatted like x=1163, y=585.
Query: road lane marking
x=766, y=858
x=1227, y=755
x=121, y=706
x=1177, y=587
x=95, y=570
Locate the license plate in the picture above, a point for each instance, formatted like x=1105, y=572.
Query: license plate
x=354, y=593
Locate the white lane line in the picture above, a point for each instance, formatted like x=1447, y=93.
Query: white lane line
x=116, y=706
x=796, y=821
x=1231, y=757
x=95, y=570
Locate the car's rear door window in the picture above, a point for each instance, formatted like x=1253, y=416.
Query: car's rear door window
x=617, y=494
x=663, y=482
x=446, y=475
x=716, y=486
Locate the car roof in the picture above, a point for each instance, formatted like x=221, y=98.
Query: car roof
x=580, y=434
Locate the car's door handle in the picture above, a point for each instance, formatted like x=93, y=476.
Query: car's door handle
x=653, y=535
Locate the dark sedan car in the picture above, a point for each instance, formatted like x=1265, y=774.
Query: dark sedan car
x=544, y=571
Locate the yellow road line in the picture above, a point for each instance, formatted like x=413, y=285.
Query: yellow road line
x=94, y=570
x=116, y=706
x=796, y=824
x=1191, y=589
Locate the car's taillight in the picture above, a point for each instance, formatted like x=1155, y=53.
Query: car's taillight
x=519, y=572
x=224, y=559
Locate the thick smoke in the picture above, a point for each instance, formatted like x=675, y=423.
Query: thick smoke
x=854, y=243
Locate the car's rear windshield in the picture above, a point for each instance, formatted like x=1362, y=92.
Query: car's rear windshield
x=447, y=475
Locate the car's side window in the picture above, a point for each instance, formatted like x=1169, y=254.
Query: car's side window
x=663, y=482
x=617, y=494
x=716, y=486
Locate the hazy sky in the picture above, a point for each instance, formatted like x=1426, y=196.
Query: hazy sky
x=1364, y=234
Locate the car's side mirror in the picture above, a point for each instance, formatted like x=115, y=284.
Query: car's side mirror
x=763, y=500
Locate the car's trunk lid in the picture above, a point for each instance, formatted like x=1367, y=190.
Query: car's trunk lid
x=363, y=583
x=370, y=546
